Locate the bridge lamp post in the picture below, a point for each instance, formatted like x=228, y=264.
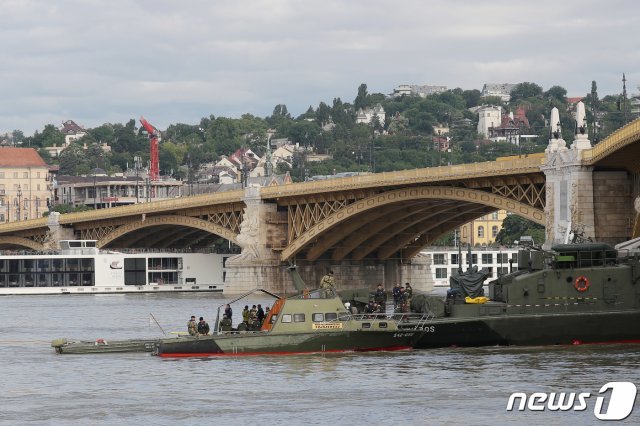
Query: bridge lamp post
x=19, y=194
x=137, y=164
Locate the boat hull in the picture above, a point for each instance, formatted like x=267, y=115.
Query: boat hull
x=285, y=343
x=547, y=329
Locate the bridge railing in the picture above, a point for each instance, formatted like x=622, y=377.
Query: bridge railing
x=616, y=140
x=505, y=166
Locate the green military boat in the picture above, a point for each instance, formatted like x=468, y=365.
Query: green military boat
x=311, y=322
x=573, y=294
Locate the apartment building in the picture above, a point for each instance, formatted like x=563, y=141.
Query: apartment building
x=25, y=186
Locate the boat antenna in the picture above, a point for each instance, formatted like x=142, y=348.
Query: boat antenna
x=158, y=324
x=459, y=259
x=469, y=257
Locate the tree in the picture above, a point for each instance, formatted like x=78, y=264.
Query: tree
x=558, y=93
x=361, y=100
x=514, y=227
x=525, y=90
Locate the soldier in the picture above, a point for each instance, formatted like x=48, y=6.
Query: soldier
x=396, y=295
x=409, y=292
x=253, y=317
x=245, y=314
x=203, y=327
x=228, y=311
x=260, y=314
x=225, y=323
x=192, y=326
x=328, y=285
x=380, y=297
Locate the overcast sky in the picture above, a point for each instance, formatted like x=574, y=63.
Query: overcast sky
x=97, y=61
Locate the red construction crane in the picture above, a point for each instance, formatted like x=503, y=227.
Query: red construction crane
x=154, y=138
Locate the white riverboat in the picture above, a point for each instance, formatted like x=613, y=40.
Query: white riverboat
x=81, y=268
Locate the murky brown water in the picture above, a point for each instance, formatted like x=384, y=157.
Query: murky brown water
x=444, y=386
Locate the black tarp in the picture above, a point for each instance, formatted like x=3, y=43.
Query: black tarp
x=470, y=282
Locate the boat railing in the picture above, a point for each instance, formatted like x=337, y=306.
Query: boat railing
x=417, y=320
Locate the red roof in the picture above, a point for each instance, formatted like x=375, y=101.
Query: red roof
x=575, y=100
x=20, y=157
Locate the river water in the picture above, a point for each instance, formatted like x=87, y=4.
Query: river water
x=444, y=386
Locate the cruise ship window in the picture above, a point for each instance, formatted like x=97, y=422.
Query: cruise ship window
x=441, y=272
x=487, y=258
x=454, y=259
x=439, y=259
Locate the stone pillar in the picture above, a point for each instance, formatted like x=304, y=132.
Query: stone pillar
x=55, y=233
x=569, y=197
x=613, y=207
x=257, y=266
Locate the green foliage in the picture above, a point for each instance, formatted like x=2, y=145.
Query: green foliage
x=514, y=227
x=525, y=91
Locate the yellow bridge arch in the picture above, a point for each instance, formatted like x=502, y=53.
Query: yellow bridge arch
x=412, y=194
x=186, y=221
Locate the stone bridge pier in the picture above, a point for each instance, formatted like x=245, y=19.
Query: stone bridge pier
x=263, y=228
x=595, y=204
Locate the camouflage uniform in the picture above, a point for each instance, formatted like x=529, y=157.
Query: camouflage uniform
x=192, y=327
x=328, y=285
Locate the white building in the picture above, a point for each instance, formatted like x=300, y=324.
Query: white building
x=501, y=90
x=445, y=262
x=417, y=90
x=366, y=115
x=488, y=116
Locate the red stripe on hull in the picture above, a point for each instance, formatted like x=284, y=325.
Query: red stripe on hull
x=606, y=342
x=201, y=355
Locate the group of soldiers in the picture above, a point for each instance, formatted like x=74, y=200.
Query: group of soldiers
x=197, y=328
x=401, y=299
x=254, y=317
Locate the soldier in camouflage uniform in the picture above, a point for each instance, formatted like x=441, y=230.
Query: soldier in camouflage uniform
x=328, y=285
x=192, y=326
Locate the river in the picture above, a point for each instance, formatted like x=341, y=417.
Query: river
x=444, y=386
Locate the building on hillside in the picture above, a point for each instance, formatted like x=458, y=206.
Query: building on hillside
x=101, y=191
x=25, y=184
x=417, y=90
x=501, y=90
x=488, y=116
x=440, y=129
x=484, y=230
x=366, y=115
x=71, y=131
x=510, y=128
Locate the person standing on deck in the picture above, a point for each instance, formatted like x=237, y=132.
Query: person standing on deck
x=228, y=311
x=396, y=295
x=192, y=326
x=245, y=314
x=328, y=285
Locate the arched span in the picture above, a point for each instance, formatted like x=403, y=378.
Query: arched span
x=190, y=222
x=21, y=242
x=411, y=194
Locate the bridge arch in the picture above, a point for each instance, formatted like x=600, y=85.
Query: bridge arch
x=407, y=195
x=20, y=242
x=186, y=221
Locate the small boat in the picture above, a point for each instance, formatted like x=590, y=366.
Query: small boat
x=63, y=346
x=311, y=322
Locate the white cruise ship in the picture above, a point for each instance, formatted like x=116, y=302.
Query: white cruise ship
x=81, y=268
x=444, y=261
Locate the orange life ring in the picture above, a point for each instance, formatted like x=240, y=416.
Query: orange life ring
x=582, y=284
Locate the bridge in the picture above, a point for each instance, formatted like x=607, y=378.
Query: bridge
x=376, y=219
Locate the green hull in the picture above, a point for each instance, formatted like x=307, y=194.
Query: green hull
x=289, y=343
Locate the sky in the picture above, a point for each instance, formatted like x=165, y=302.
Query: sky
x=96, y=61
